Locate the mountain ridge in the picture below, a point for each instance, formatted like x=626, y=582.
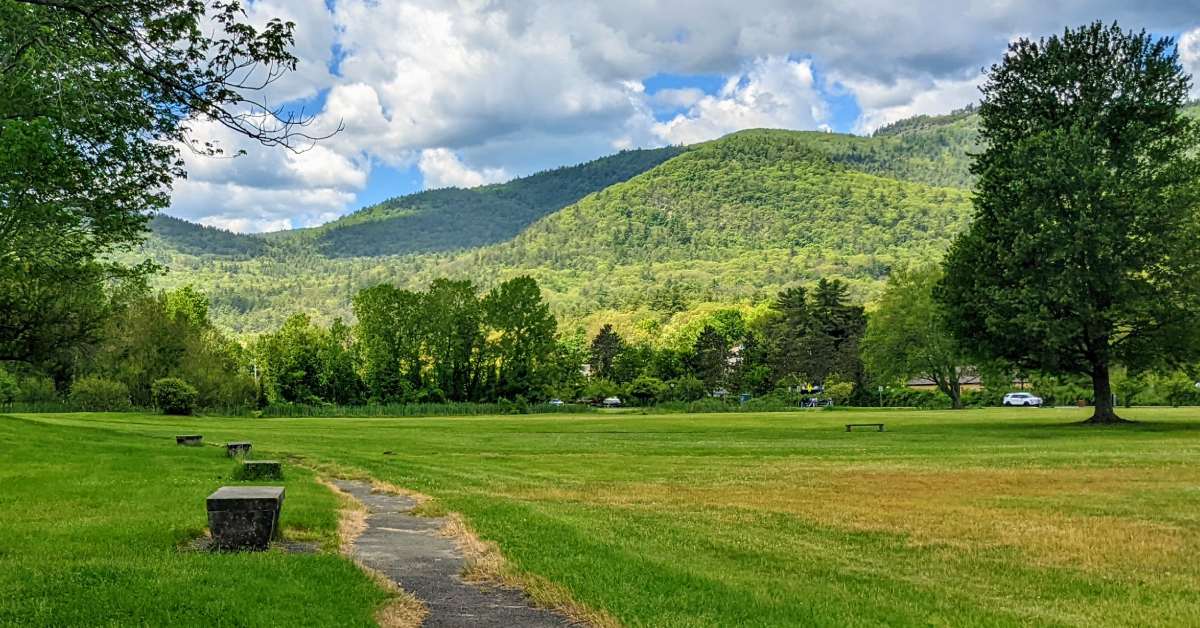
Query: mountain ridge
x=717, y=226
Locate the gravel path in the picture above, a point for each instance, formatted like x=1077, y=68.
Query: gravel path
x=409, y=551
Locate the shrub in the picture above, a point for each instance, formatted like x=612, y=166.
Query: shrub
x=599, y=388
x=8, y=388
x=646, y=389
x=839, y=390
x=687, y=388
x=172, y=395
x=37, y=389
x=96, y=394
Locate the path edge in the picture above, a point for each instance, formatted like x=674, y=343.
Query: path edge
x=485, y=563
x=402, y=609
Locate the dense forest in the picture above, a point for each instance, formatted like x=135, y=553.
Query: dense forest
x=722, y=226
x=794, y=207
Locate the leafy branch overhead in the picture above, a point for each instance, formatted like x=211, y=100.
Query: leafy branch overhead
x=96, y=101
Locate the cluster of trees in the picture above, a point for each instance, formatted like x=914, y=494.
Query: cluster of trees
x=447, y=343
x=78, y=181
x=149, y=347
x=807, y=339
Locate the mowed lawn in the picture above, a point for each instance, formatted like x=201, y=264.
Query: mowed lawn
x=982, y=517
x=96, y=529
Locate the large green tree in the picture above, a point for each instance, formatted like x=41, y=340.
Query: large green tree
x=710, y=358
x=455, y=341
x=97, y=99
x=907, y=334
x=523, y=334
x=1083, y=251
x=391, y=334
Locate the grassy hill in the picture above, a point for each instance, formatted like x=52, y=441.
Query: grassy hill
x=646, y=239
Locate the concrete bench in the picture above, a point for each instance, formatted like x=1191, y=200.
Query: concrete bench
x=244, y=517
x=878, y=426
x=262, y=470
x=189, y=440
x=233, y=450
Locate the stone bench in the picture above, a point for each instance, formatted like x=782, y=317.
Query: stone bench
x=233, y=450
x=261, y=470
x=244, y=517
x=189, y=440
x=877, y=426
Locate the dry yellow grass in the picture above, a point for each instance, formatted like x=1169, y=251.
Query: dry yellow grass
x=1036, y=511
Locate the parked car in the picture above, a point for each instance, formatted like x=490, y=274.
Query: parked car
x=611, y=402
x=1022, y=399
x=556, y=402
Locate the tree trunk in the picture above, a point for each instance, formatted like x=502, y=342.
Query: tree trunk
x=1105, y=414
x=956, y=393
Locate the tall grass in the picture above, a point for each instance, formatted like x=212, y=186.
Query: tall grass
x=412, y=410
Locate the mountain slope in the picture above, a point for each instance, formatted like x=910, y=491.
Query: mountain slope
x=750, y=191
x=454, y=218
x=728, y=221
x=169, y=234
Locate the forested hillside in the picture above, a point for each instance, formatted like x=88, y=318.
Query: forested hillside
x=656, y=240
x=453, y=219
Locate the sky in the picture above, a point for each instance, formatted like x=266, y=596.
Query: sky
x=437, y=93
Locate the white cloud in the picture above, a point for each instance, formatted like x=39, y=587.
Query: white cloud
x=883, y=103
x=1189, y=54
x=473, y=91
x=243, y=224
x=441, y=168
x=774, y=93
x=677, y=98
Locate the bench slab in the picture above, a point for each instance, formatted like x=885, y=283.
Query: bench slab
x=189, y=440
x=244, y=517
x=879, y=426
x=234, y=450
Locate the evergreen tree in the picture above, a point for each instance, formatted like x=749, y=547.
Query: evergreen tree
x=710, y=358
x=606, y=347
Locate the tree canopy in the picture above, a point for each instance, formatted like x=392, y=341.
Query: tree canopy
x=1082, y=253
x=907, y=335
x=97, y=99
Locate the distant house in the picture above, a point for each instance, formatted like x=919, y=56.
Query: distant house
x=968, y=379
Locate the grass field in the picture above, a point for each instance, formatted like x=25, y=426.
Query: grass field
x=984, y=517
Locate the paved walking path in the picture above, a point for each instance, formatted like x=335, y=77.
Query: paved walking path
x=409, y=551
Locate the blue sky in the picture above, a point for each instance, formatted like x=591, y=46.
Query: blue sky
x=433, y=93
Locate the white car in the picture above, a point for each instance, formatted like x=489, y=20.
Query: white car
x=556, y=402
x=1022, y=399
x=612, y=402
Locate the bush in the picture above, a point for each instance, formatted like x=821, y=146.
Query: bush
x=172, y=395
x=96, y=394
x=37, y=389
x=839, y=390
x=646, y=390
x=8, y=388
x=687, y=388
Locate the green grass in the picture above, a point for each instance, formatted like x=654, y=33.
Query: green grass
x=96, y=529
x=982, y=517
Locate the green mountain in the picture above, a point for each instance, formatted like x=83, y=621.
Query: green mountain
x=453, y=219
x=449, y=219
x=646, y=238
